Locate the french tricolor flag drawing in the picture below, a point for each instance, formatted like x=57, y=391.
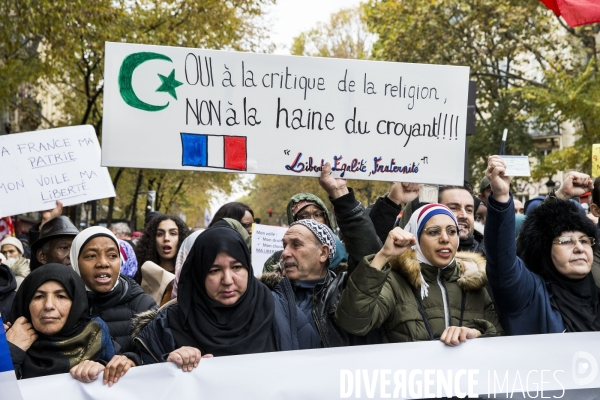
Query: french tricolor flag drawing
x=9, y=388
x=214, y=151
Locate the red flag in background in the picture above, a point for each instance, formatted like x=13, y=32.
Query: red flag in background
x=6, y=227
x=575, y=12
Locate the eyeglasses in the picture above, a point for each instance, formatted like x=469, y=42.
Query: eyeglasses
x=570, y=241
x=247, y=225
x=318, y=214
x=434, y=232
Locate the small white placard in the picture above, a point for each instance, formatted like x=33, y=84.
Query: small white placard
x=517, y=165
x=266, y=240
x=41, y=167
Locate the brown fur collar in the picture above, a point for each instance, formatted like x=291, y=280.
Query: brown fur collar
x=142, y=319
x=270, y=279
x=472, y=269
x=406, y=264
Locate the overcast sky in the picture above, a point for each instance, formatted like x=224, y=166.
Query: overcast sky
x=289, y=19
x=292, y=17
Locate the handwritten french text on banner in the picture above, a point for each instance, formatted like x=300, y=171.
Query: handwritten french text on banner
x=41, y=167
x=229, y=111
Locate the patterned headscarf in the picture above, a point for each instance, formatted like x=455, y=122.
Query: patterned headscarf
x=322, y=232
x=129, y=264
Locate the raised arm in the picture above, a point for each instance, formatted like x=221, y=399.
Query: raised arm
x=512, y=283
x=574, y=185
x=358, y=232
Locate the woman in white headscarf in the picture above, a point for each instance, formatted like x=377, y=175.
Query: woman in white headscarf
x=11, y=249
x=115, y=298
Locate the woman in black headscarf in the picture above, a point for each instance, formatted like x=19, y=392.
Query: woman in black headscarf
x=51, y=330
x=222, y=309
x=548, y=288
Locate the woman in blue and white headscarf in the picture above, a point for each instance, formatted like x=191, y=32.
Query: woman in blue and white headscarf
x=417, y=287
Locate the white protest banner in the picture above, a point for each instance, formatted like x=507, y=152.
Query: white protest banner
x=532, y=366
x=266, y=240
x=212, y=110
x=41, y=167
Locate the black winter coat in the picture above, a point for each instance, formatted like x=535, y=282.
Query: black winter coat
x=383, y=214
x=117, y=308
x=291, y=328
x=360, y=240
x=8, y=285
x=474, y=244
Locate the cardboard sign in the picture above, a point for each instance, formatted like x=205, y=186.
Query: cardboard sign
x=517, y=165
x=41, y=167
x=266, y=240
x=228, y=111
x=596, y=160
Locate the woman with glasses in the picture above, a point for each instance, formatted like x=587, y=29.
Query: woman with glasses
x=417, y=287
x=548, y=287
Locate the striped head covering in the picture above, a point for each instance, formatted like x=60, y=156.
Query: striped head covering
x=322, y=232
x=417, y=223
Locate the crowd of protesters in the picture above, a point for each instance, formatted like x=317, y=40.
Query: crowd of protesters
x=98, y=302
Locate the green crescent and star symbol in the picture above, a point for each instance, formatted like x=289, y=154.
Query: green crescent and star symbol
x=168, y=83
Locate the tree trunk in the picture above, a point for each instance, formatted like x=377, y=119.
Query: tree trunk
x=134, y=200
x=174, y=196
x=159, y=196
x=94, y=205
x=111, y=201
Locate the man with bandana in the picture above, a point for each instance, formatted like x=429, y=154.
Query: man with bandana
x=310, y=247
x=308, y=206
